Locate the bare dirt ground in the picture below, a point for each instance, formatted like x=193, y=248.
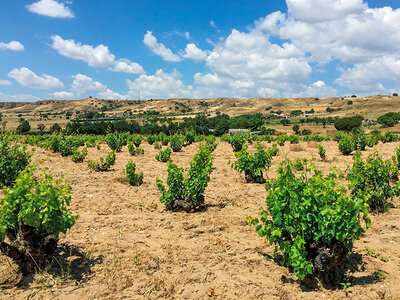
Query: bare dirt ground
x=126, y=246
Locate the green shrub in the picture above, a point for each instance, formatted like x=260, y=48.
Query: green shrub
x=372, y=140
x=237, y=141
x=79, y=156
x=253, y=165
x=165, y=155
x=137, y=140
x=65, y=146
x=190, y=137
x=133, y=177
x=163, y=138
x=103, y=165
x=389, y=137
x=293, y=139
x=186, y=192
x=13, y=159
x=312, y=220
x=300, y=164
x=372, y=181
x=346, y=145
x=157, y=146
x=151, y=139
x=23, y=127
x=176, y=142
x=114, y=141
x=360, y=139
x=33, y=214
x=321, y=151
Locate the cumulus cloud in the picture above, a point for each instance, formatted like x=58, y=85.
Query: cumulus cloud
x=28, y=78
x=323, y=10
x=81, y=84
x=159, y=48
x=62, y=95
x=13, y=46
x=317, y=89
x=51, y=8
x=18, y=97
x=194, y=53
x=126, y=66
x=5, y=82
x=161, y=85
x=98, y=57
x=368, y=77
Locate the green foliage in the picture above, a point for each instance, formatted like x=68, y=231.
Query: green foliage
x=42, y=205
x=296, y=129
x=360, y=139
x=389, y=119
x=176, y=142
x=157, y=146
x=23, y=127
x=285, y=122
x=253, y=165
x=389, y=137
x=55, y=128
x=186, y=192
x=371, y=181
x=346, y=145
x=293, y=139
x=163, y=138
x=372, y=140
x=151, y=139
x=114, y=141
x=300, y=164
x=103, y=164
x=321, y=151
x=79, y=156
x=308, y=216
x=133, y=177
x=237, y=141
x=13, y=159
x=137, y=140
x=190, y=137
x=348, y=123
x=165, y=155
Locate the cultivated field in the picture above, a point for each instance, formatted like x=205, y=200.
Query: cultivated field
x=126, y=246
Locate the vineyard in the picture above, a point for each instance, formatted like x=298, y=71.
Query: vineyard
x=188, y=216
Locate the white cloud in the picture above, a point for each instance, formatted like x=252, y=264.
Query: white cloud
x=159, y=48
x=161, y=85
x=323, y=10
x=5, y=82
x=51, y=8
x=317, y=89
x=367, y=77
x=81, y=84
x=126, y=66
x=194, y=53
x=247, y=64
x=27, y=78
x=62, y=95
x=111, y=95
x=98, y=57
x=13, y=46
x=18, y=97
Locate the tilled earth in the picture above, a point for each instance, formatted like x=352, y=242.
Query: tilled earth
x=126, y=246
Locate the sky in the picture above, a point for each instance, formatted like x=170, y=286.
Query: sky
x=55, y=49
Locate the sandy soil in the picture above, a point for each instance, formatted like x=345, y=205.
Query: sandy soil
x=126, y=246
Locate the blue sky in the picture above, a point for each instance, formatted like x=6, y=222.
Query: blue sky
x=199, y=49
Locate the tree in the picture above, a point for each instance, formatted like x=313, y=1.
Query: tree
x=296, y=129
x=23, y=127
x=348, y=123
x=285, y=122
x=55, y=128
x=395, y=95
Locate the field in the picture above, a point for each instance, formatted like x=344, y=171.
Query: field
x=126, y=246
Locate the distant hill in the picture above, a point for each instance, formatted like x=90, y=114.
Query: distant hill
x=370, y=107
